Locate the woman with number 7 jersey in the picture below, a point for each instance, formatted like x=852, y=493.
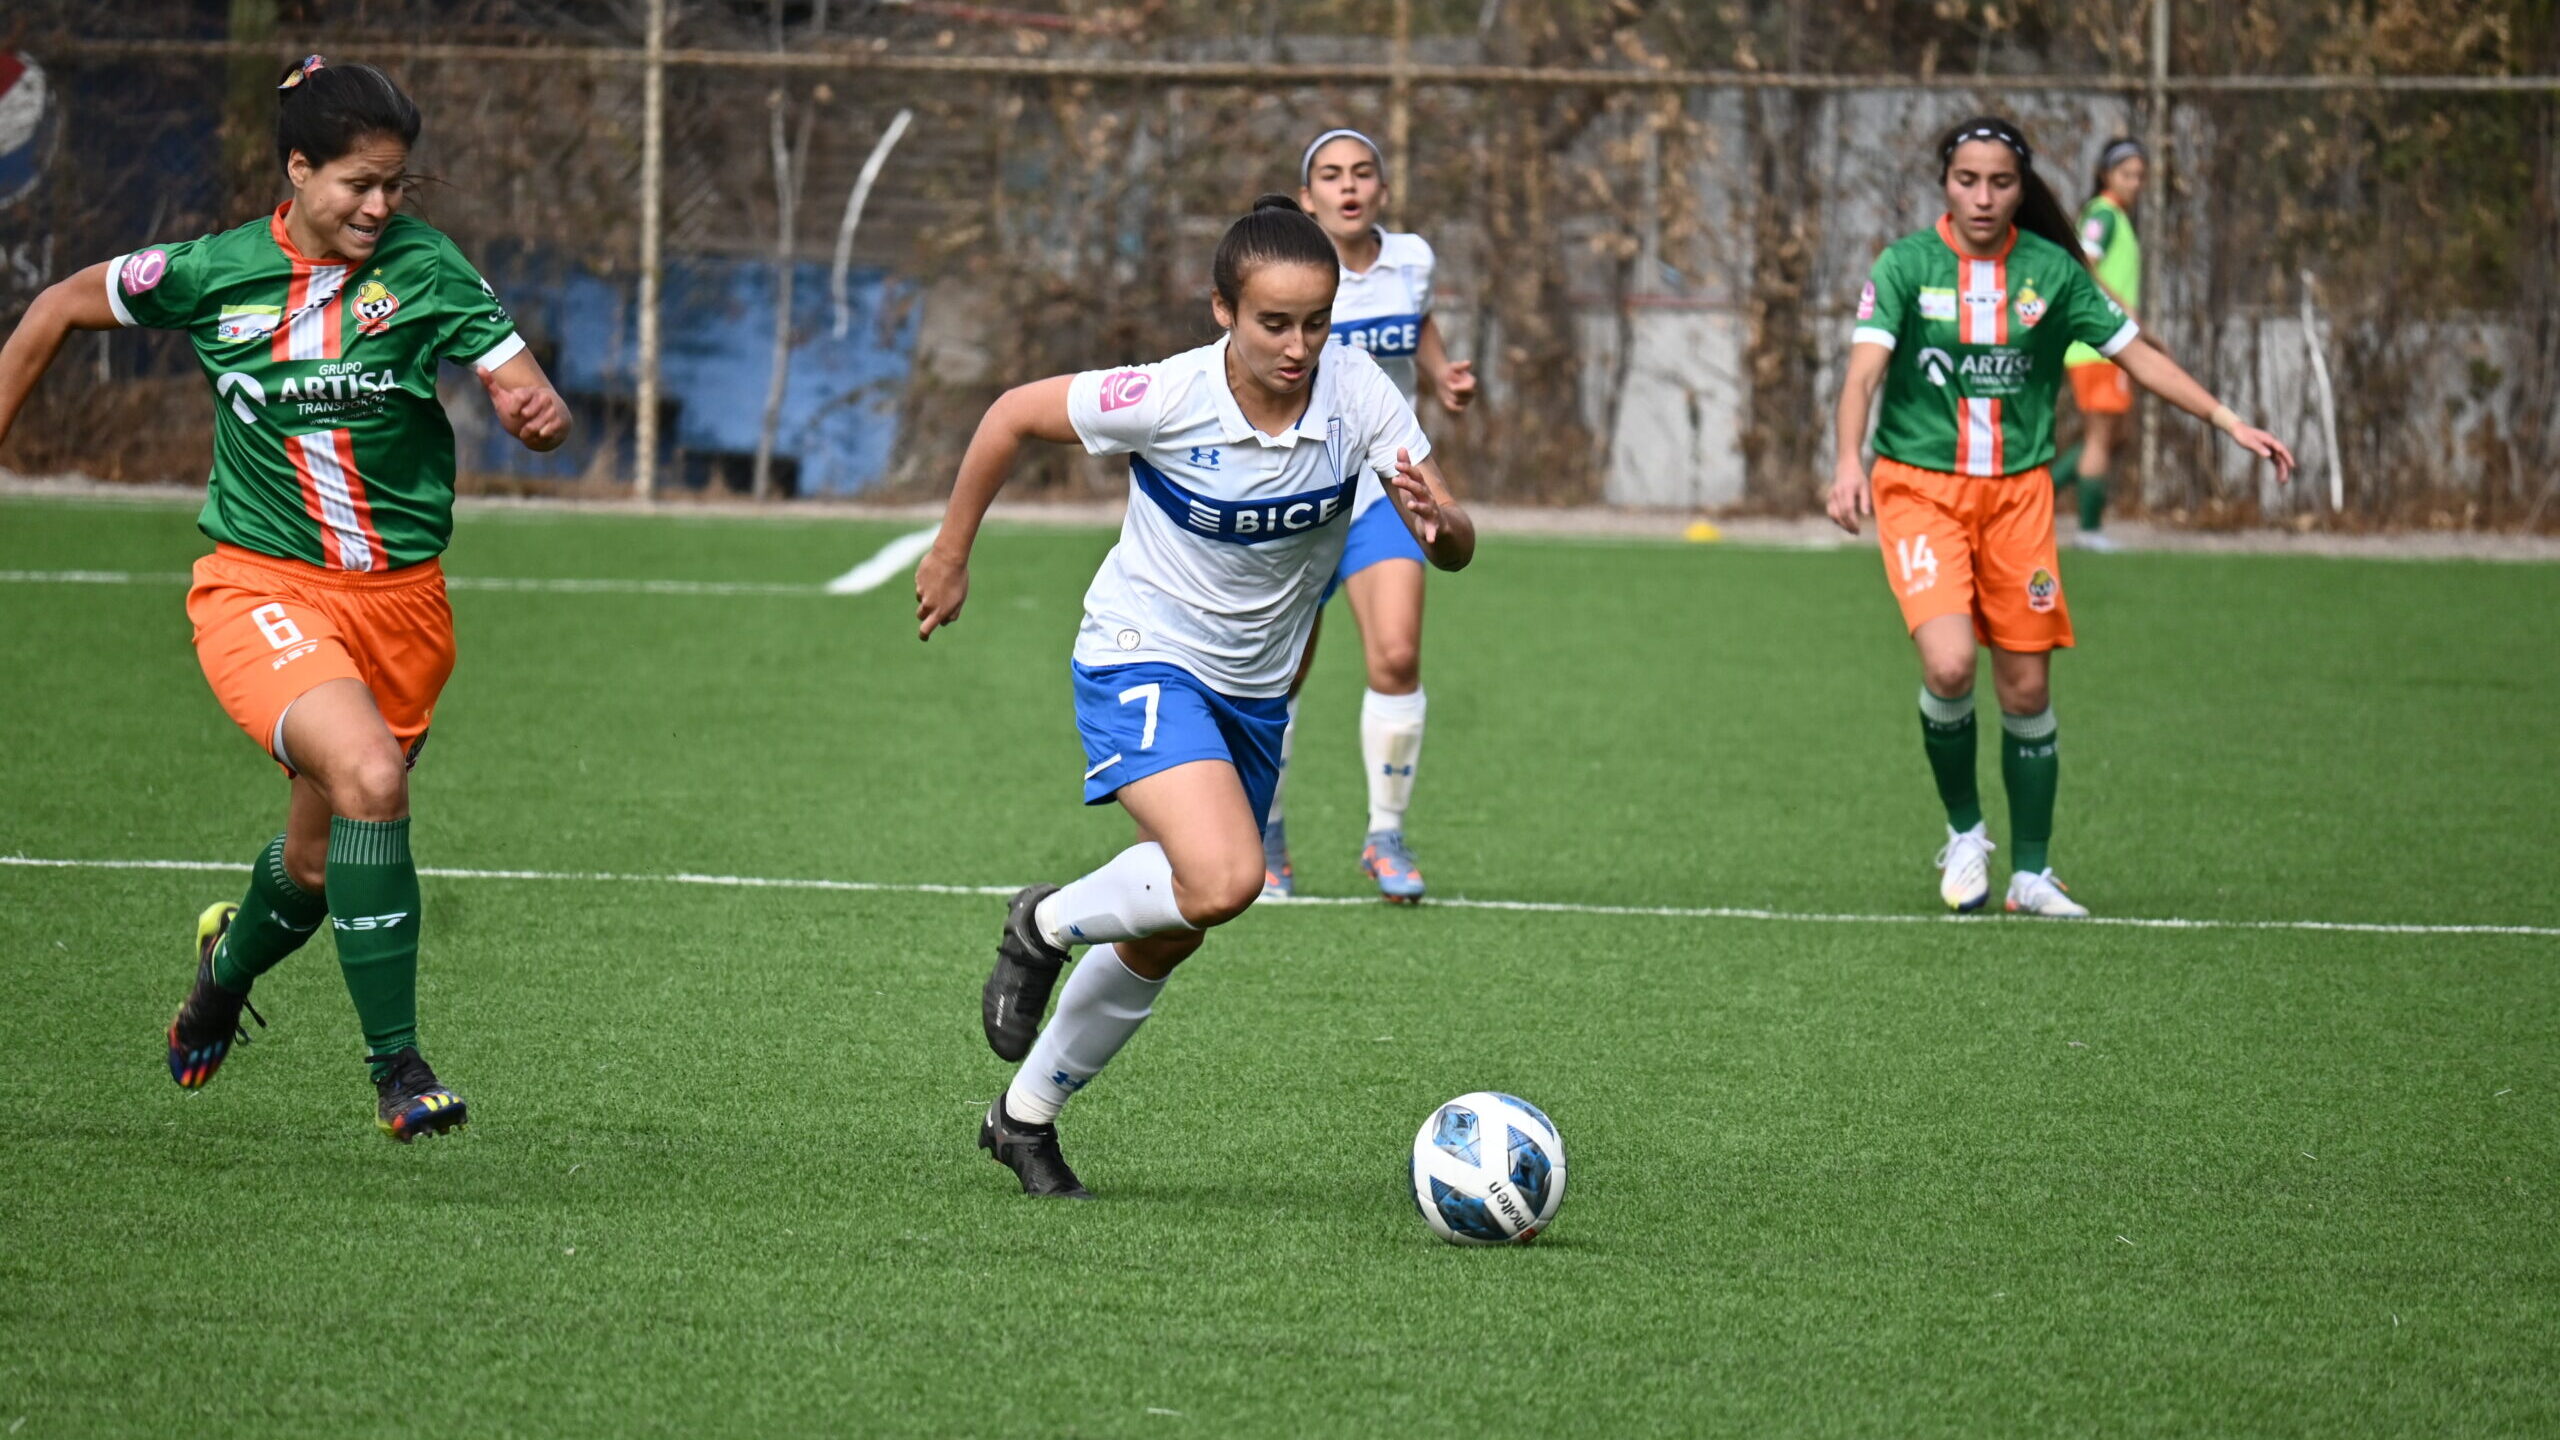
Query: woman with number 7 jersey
x=1244, y=458
x=1966, y=325
x=320, y=617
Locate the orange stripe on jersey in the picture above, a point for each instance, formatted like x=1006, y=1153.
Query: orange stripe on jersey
x=330, y=554
x=297, y=293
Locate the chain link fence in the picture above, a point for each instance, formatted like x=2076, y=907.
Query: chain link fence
x=1653, y=220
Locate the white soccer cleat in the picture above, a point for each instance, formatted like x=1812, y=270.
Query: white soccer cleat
x=1964, y=869
x=2038, y=893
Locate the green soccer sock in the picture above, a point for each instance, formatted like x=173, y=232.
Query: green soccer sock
x=275, y=918
x=1947, y=732
x=2031, y=771
x=2093, y=502
x=373, y=901
x=2066, y=468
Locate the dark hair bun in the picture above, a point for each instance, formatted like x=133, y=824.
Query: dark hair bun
x=1277, y=201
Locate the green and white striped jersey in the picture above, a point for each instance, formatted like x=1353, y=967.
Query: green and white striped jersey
x=328, y=443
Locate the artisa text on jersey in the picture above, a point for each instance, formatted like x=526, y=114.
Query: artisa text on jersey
x=338, y=389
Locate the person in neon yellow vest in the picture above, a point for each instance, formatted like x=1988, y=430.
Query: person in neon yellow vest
x=2104, y=395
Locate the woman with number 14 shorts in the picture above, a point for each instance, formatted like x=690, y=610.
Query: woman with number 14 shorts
x=1243, y=460
x=1965, y=325
x=320, y=617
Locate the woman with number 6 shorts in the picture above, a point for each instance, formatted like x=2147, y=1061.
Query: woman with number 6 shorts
x=1383, y=307
x=1965, y=325
x=320, y=617
x=1243, y=457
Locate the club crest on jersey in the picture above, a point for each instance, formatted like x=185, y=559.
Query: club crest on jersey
x=1124, y=388
x=374, y=304
x=2042, y=588
x=2030, y=306
x=247, y=322
x=142, y=270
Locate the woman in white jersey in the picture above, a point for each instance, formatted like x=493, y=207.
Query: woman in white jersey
x=1243, y=458
x=1383, y=307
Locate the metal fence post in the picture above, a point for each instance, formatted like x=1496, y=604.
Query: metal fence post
x=2155, y=139
x=653, y=179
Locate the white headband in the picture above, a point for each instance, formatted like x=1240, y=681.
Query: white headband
x=1307, y=162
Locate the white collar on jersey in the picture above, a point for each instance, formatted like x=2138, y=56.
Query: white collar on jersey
x=1309, y=426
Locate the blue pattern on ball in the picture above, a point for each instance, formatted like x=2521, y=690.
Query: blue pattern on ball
x=1455, y=1132
x=1466, y=1214
x=1530, y=1170
x=1529, y=1109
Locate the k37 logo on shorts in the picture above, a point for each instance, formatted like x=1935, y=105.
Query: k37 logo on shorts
x=2042, y=590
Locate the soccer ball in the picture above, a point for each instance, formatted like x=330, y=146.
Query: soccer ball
x=1488, y=1169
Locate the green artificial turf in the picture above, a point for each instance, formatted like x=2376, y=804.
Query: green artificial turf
x=1844, y=1178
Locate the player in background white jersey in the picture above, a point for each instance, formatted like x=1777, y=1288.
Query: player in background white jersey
x=1383, y=307
x=1243, y=460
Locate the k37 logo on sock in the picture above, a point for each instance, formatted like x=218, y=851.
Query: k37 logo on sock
x=369, y=922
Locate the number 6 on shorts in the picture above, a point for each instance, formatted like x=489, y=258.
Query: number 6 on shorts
x=1151, y=692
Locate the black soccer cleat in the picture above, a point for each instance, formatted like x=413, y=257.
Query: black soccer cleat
x=1031, y=1153
x=200, y=1039
x=1017, y=992
x=410, y=1104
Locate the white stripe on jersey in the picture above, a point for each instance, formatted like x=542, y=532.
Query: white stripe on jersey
x=318, y=454
x=1981, y=446
x=308, y=338
x=1982, y=301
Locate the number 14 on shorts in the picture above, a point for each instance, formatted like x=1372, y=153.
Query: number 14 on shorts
x=1919, y=564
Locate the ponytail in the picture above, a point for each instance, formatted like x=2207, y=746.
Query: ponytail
x=2039, y=213
x=326, y=110
x=1276, y=232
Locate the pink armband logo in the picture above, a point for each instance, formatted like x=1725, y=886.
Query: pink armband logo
x=142, y=270
x=1867, y=302
x=1123, y=388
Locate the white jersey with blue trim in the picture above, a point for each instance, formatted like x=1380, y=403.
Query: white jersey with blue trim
x=1231, y=533
x=1381, y=310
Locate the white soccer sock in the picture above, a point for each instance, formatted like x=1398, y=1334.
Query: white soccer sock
x=1288, y=746
x=1102, y=1004
x=1391, y=742
x=1128, y=899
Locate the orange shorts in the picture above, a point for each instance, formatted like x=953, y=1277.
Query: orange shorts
x=1979, y=545
x=268, y=630
x=2102, y=388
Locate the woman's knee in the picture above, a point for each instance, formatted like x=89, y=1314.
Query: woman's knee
x=1215, y=893
x=370, y=784
x=1945, y=678
x=1395, y=665
x=2026, y=697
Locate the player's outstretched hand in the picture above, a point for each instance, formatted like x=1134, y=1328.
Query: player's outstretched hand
x=1851, y=495
x=534, y=414
x=1456, y=386
x=942, y=587
x=2266, y=447
x=1418, y=501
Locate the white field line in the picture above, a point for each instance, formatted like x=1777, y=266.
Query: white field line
x=1536, y=907
x=451, y=582
x=892, y=561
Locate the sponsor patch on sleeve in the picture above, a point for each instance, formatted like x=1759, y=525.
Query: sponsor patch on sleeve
x=143, y=269
x=1124, y=388
x=1867, y=302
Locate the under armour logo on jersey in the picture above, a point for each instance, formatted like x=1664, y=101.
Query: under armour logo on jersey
x=1205, y=456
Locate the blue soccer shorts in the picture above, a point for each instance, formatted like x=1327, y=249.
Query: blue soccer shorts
x=1378, y=533
x=1139, y=720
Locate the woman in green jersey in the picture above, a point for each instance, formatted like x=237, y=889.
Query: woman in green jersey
x=1964, y=326
x=2104, y=395
x=320, y=618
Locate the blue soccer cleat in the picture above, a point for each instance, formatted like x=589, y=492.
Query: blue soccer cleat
x=200, y=1038
x=1387, y=860
x=1279, y=880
